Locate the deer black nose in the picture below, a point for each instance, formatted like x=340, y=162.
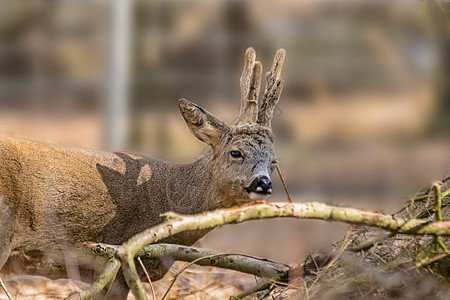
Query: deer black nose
x=261, y=185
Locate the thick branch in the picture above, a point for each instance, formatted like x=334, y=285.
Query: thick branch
x=239, y=262
x=108, y=274
x=175, y=223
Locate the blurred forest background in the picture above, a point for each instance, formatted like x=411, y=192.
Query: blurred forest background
x=363, y=120
x=364, y=115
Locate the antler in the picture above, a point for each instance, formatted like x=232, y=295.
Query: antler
x=250, y=86
x=272, y=92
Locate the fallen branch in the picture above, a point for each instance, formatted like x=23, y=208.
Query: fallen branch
x=239, y=262
x=244, y=263
x=260, y=267
x=175, y=223
x=108, y=275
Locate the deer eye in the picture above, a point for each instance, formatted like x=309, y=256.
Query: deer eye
x=236, y=154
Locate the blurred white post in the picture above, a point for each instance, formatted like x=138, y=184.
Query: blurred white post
x=116, y=102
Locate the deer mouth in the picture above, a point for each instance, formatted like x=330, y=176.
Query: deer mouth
x=258, y=196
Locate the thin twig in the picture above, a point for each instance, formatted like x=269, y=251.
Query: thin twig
x=437, y=201
x=441, y=243
x=148, y=278
x=207, y=257
x=430, y=261
x=257, y=288
x=430, y=209
x=418, y=198
x=437, y=212
x=184, y=269
x=108, y=291
x=282, y=281
x=424, y=195
x=370, y=244
x=2, y=284
x=306, y=289
x=284, y=183
x=344, y=245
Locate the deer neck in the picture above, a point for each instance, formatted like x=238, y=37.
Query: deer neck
x=190, y=188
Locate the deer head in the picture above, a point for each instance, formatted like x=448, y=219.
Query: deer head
x=242, y=157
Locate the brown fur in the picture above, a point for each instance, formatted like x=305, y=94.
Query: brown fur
x=54, y=198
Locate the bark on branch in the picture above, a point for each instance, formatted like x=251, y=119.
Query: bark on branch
x=175, y=223
x=108, y=275
x=260, y=267
x=239, y=262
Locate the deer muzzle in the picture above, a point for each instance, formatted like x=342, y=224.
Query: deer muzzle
x=260, y=188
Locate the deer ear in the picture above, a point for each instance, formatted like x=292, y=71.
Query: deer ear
x=202, y=124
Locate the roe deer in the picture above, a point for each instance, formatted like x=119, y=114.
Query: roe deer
x=54, y=198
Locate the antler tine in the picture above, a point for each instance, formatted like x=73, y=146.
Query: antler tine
x=274, y=86
x=250, y=83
